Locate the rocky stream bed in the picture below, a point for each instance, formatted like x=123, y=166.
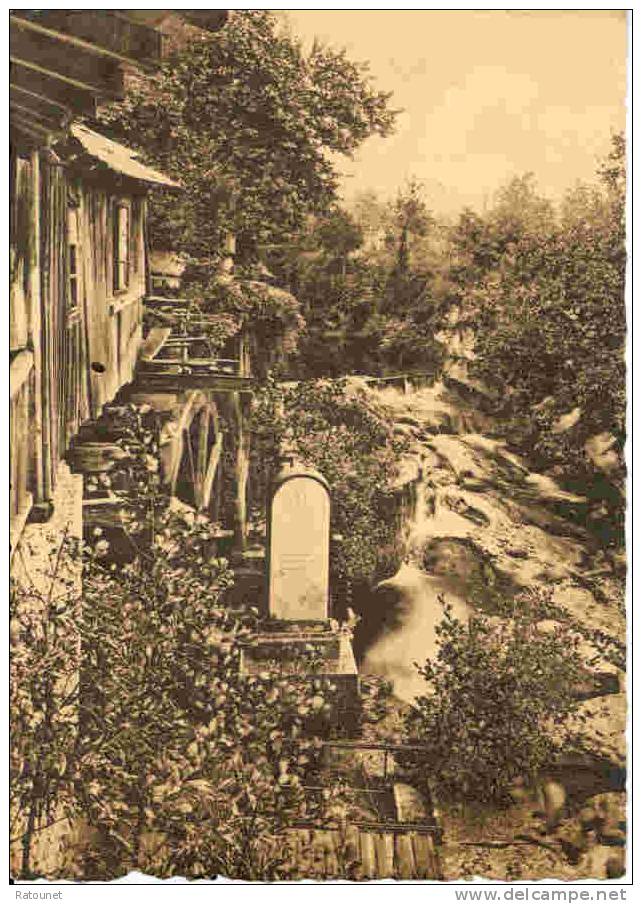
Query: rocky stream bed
x=485, y=527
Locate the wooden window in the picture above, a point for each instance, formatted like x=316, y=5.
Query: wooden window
x=122, y=244
x=72, y=260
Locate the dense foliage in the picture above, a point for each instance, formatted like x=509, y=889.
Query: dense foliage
x=249, y=123
x=369, y=286
x=543, y=294
x=43, y=697
x=190, y=767
x=268, y=316
x=343, y=432
x=179, y=761
x=497, y=699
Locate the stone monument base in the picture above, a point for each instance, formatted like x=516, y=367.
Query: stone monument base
x=310, y=650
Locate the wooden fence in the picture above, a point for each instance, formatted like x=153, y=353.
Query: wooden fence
x=361, y=852
x=394, y=844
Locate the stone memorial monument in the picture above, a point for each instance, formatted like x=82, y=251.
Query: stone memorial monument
x=298, y=588
x=299, y=546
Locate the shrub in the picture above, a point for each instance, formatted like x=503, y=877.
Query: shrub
x=498, y=697
x=43, y=699
x=179, y=761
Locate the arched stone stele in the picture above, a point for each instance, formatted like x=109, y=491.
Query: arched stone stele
x=299, y=556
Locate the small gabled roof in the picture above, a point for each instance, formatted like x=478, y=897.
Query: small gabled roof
x=118, y=158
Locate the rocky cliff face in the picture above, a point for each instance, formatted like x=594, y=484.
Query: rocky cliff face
x=485, y=529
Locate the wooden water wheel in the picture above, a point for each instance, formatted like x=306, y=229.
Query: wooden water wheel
x=196, y=453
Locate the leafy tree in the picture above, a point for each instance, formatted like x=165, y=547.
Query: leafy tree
x=370, y=214
x=497, y=699
x=248, y=123
x=480, y=242
x=408, y=220
x=339, y=235
x=364, y=314
x=545, y=299
x=344, y=433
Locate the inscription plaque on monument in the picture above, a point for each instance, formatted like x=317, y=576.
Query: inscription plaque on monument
x=299, y=547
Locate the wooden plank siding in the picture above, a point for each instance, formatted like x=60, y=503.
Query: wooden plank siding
x=20, y=249
x=21, y=446
x=24, y=338
x=113, y=317
x=81, y=334
x=62, y=350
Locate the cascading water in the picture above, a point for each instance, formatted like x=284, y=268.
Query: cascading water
x=484, y=528
x=483, y=524
x=417, y=600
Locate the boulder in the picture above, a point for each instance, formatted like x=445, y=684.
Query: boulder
x=566, y=421
x=601, y=450
x=605, y=814
x=601, y=726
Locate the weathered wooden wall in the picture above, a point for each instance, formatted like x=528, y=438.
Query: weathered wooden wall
x=24, y=338
x=113, y=318
x=71, y=351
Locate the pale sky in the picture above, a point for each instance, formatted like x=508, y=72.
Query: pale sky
x=486, y=95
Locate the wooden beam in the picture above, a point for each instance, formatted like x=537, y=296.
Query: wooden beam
x=151, y=346
x=174, y=382
x=24, y=138
x=194, y=399
x=209, y=19
x=83, y=69
x=35, y=325
x=37, y=99
x=108, y=32
x=212, y=466
x=78, y=97
x=42, y=118
x=35, y=129
x=19, y=371
x=25, y=72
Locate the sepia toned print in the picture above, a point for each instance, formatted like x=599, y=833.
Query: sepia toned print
x=317, y=480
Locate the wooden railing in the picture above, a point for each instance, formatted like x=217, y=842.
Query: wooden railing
x=181, y=352
x=22, y=381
